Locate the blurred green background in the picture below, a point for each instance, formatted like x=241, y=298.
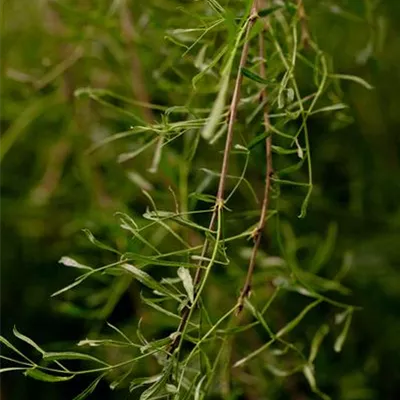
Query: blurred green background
x=51, y=187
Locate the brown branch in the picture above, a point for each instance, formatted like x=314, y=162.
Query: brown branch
x=305, y=34
x=224, y=168
x=264, y=207
x=229, y=138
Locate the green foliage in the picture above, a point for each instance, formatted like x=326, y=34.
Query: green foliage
x=166, y=123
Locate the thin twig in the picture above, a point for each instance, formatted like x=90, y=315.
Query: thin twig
x=305, y=34
x=264, y=207
x=229, y=138
x=224, y=168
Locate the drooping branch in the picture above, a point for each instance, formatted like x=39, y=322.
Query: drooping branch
x=257, y=234
x=224, y=168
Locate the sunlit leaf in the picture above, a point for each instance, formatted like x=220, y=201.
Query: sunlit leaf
x=187, y=281
x=43, y=376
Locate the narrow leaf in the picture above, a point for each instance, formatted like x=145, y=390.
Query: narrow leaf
x=217, y=110
x=282, y=150
x=294, y=322
x=70, y=355
x=42, y=376
x=187, y=281
x=254, y=77
x=66, y=288
x=148, y=281
x=158, y=385
x=12, y=347
x=316, y=342
x=342, y=337
x=258, y=139
x=90, y=389
x=27, y=340
x=333, y=107
x=353, y=78
x=197, y=392
x=266, y=11
x=70, y=262
x=97, y=243
x=308, y=371
x=325, y=250
x=138, y=382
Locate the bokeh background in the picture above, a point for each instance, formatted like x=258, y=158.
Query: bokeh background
x=52, y=187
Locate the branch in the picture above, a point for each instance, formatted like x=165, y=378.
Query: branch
x=305, y=34
x=269, y=171
x=224, y=168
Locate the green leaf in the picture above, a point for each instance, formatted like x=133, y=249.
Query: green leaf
x=318, y=283
x=295, y=321
x=42, y=376
x=148, y=281
x=122, y=334
x=147, y=260
x=90, y=389
x=114, y=384
x=333, y=107
x=162, y=310
x=97, y=243
x=12, y=347
x=316, y=342
x=266, y=11
x=159, y=385
x=353, y=78
x=66, y=288
x=283, y=151
x=207, y=198
x=70, y=262
x=158, y=214
x=70, y=355
x=216, y=7
x=254, y=77
x=138, y=382
x=291, y=168
x=197, y=392
x=342, y=337
x=187, y=281
x=308, y=371
x=325, y=250
x=258, y=139
x=27, y=340
x=217, y=110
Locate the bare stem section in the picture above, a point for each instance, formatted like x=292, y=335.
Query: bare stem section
x=267, y=187
x=224, y=168
x=305, y=34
